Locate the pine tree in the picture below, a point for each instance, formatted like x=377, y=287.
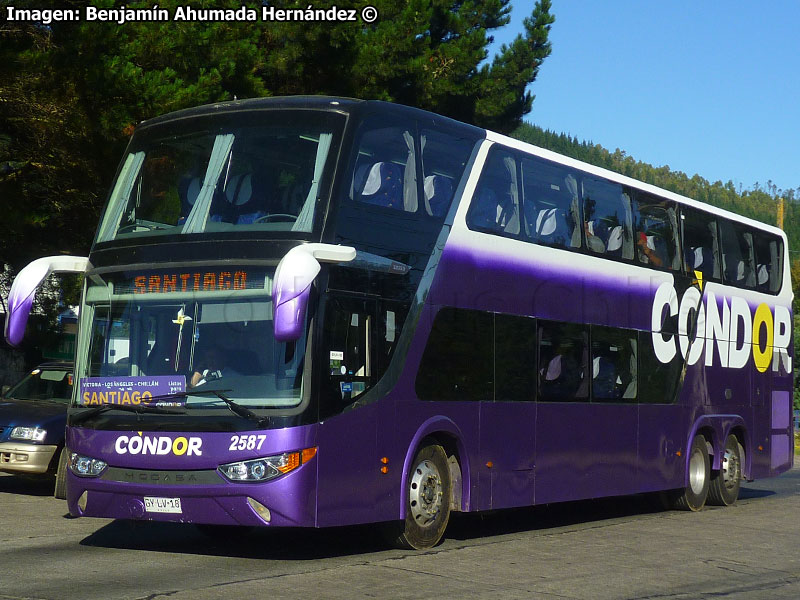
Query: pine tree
x=71, y=92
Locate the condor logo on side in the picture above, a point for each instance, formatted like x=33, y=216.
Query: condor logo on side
x=158, y=445
x=734, y=331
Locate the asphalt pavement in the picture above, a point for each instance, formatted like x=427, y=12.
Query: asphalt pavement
x=616, y=548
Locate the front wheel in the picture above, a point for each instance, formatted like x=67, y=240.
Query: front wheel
x=693, y=496
x=724, y=488
x=427, y=500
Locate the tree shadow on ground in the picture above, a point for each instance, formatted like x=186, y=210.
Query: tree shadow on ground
x=27, y=485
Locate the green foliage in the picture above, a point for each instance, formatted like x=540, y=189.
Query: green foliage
x=72, y=92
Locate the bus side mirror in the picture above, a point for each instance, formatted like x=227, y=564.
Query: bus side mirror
x=23, y=290
x=293, y=278
x=5, y=390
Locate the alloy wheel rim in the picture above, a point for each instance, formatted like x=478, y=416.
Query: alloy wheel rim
x=697, y=472
x=425, y=493
x=730, y=469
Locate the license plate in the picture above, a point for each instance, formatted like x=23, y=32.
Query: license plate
x=162, y=505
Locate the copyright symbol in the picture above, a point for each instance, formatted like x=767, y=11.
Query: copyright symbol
x=369, y=14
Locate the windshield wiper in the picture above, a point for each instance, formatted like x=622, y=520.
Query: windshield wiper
x=238, y=409
x=139, y=409
x=234, y=407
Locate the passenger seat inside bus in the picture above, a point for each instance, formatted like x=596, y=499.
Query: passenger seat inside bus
x=383, y=186
x=494, y=214
x=188, y=191
x=606, y=384
x=763, y=278
x=597, y=235
x=438, y=193
x=250, y=200
x=551, y=227
x=700, y=259
x=614, y=244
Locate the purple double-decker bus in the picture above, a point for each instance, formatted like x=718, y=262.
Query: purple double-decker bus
x=309, y=312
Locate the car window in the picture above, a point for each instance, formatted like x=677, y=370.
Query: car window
x=44, y=384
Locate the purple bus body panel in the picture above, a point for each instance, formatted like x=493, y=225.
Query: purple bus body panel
x=507, y=441
x=662, y=432
x=350, y=469
x=781, y=444
x=585, y=447
x=291, y=498
x=471, y=279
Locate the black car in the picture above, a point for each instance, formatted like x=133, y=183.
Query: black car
x=33, y=417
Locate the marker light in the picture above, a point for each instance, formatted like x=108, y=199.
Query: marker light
x=33, y=434
x=264, y=469
x=85, y=466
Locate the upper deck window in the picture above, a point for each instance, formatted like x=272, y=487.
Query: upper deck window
x=495, y=206
x=738, y=263
x=769, y=262
x=655, y=224
x=551, y=203
x=226, y=173
x=701, y=244
x=607, y=218
x=444, y=156
x=385, y=170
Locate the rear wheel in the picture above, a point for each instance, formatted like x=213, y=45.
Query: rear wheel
x=60, y=490
x=724, y=488
x=694, y=495
x=427, y=500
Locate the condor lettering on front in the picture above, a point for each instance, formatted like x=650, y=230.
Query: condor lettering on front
x=158, y=445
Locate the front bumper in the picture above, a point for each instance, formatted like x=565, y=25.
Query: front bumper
x=19, y=457
x=289, y=500
x=181, y=467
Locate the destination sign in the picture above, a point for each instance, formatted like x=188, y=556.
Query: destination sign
x=133, y=390
x=184, y=281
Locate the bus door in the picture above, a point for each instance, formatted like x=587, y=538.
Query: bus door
x=349, y=469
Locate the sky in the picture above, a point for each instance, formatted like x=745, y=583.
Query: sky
x=708, y=87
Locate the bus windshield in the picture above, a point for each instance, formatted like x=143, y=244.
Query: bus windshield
x=172, y=332
x=242, y=174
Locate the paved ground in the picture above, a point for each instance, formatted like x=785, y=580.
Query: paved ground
x=622, y=548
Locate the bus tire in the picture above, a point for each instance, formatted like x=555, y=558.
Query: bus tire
x=693, y=496
x=60, y=490
x=427, y=497
x=724, y=488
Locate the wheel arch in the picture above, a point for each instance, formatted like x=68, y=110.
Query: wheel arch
x=444, y=432
x=715, y=429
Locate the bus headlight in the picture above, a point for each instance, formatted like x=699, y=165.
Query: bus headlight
x=264, y=469
x=85, y=466
x=32, y=434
